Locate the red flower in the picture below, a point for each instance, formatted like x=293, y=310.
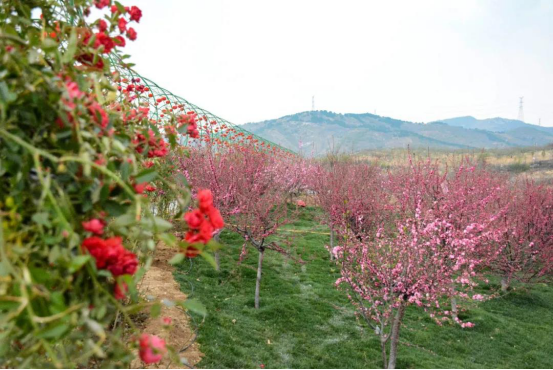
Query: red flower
x=156, y=148
x=99, y=115
x=120, y=291
x=192, y=252
x=87, y=59
x=102, y=3
x=149, y=164
x=206, y=199
x=202, y=222
x=126, y=264
x=150, y=188
x=122, y=24
x=104, y=39
x=95, y=226
x=114, y=9
x=215, y=218
x=135, y=13
x=167, y=320
x=102, y=25
x=120, y=41
x=111, y=255
x=194, y=219
x=151, y=348
x=131, y=34
x=104, y=251
x=139, y=188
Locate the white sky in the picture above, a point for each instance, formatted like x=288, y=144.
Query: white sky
x=420, y=61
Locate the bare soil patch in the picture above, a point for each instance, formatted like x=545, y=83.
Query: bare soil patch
x=159, y=282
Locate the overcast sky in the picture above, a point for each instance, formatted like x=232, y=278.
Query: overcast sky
x=419, y=61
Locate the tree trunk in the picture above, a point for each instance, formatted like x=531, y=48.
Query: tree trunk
x=504, y=284
x=217, y=261
x=216, y=254
x=454, y=309
x=383, y=349
x=394, y=339
x=258, y=281
x=331, y=243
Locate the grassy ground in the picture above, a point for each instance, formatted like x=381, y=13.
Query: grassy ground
x=305, y=322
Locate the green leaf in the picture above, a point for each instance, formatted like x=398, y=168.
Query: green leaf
x=6, y=96
x=147, y=175
x=209, y=258
x=169, y=239
x=182, y=179
x=125, y=171
x=182, y=129
x=177, y=258
x=122, y=221
x=78, y=262
x=120, y=7
x=49, y=44
x=41, y=219
x=156, y=223
x=193, y=305
x=71, y=47
x=53, y=331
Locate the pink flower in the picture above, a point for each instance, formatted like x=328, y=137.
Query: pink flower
x=151, y=348
x=95, y=226
x=167, y=321
x=478, y=297
x=301, y=203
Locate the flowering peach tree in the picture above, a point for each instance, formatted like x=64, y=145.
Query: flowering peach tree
x=526, y=237
x=77, y=158
x=249, y=189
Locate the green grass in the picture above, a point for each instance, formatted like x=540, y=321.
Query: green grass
x=305, y=322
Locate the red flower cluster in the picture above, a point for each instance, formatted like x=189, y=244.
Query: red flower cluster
x=202, y=222
x=157, y=148
x=98, y=114
x=190, y=120
x=112, y=256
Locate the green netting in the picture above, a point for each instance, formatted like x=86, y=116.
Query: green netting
x=220, y=129
x=217, y=123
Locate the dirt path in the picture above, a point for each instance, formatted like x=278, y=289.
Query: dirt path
x=159, y=282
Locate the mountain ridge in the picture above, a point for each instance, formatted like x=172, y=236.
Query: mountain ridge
x=318, y=131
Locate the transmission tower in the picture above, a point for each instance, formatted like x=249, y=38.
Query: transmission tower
x=521, y=109
x=313, y=102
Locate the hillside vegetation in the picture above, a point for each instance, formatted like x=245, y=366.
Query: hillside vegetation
x=316, y=132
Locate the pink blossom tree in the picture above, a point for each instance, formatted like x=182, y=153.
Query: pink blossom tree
x=526, y=235
x=250, y=189
x=351, y=194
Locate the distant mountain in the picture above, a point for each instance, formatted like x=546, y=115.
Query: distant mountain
x=496, y=124
x=318, y=131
